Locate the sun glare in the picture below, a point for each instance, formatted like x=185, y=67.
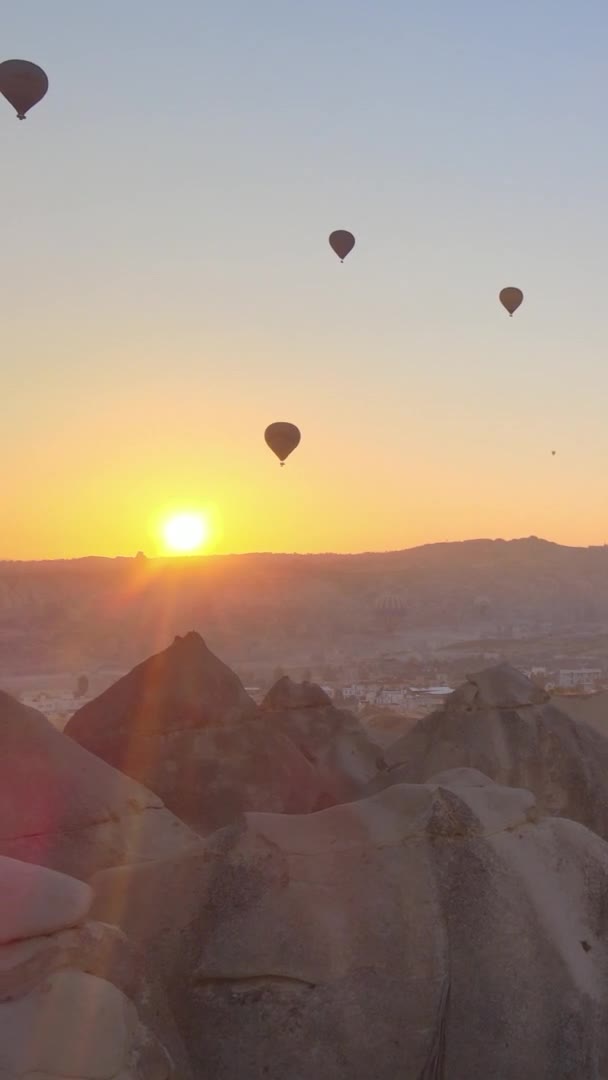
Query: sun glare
x=185, y=532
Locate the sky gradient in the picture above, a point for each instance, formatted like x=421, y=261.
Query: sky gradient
x=168, y=290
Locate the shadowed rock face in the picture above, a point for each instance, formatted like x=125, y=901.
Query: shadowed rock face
x=430, y=930
x=500, y=687
x=287, y=694
x=333, y=740
x=65, y=809
x=182, y=724
x=500, y=723
x=75, y=1000
x=211, y=777
x=185, y=687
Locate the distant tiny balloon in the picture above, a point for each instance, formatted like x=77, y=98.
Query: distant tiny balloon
x=511, y=298
x=342, y=243
x=483, y=605
x=553, y=452
x=282, y=438
x=23, y=84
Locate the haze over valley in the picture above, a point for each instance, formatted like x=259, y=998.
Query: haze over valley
x=417, y=618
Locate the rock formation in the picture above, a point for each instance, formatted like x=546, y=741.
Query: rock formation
x=430, y=930
x=75, y=999
x=333, y=740
x=500, y=723
x=212, y=776
x=287, y=694
x=182, y=724
x=183, y=688
x=63, y=808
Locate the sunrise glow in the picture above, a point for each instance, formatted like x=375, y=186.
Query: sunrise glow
x=184, y=533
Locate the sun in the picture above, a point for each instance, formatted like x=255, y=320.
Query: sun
x=185, y=532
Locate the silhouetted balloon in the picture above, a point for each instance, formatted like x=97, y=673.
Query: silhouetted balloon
x=390, y=609
x=390, y=603
x=342, y=243
x=23, y=84
x=282, y=439
x=82, y=686
x=553, y=452
x=511, y=298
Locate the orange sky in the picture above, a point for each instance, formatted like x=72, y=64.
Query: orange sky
x=168, y=289
x=85, y=491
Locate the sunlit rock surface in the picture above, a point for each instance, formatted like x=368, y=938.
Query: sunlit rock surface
x=35, y=901
x=64, y=808
x=75, y=1000
x=430, y=930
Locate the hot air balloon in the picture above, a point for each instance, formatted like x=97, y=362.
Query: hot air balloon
x=482, y=604
x=511, y=298
x=342, y=243
x=23, y=84
x=553, y=453
x=390, y=609
x=282, y=438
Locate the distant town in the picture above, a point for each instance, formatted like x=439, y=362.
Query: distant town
x=405, y=689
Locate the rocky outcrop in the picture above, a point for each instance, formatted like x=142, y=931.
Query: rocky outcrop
x=183, y=688
x=500, y=723
x=64, y=808
x=500, y=687
x=287, y=694
x=430, y=930
x=210, y=777
x=384, y=726
x=182, y=724
x=333, y=740
x=75, y=999
x=35, y=902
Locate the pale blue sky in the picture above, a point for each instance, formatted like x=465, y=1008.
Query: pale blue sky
x=166, y=210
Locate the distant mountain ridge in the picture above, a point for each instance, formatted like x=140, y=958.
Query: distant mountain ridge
x=70, y=613
x=440, y=545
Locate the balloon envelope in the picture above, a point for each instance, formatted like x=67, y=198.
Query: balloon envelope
x=282, y=439
x=511, y=298
x=23, y=84
x=342, y=243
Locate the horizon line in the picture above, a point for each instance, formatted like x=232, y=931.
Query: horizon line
x=202, y=556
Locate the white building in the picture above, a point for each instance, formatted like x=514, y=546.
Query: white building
x=361, y=691
x=394, y=696
x=430, y=697
x=587, y=679
x=354, y=690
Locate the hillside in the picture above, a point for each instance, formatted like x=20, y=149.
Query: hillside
x=70, y=614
